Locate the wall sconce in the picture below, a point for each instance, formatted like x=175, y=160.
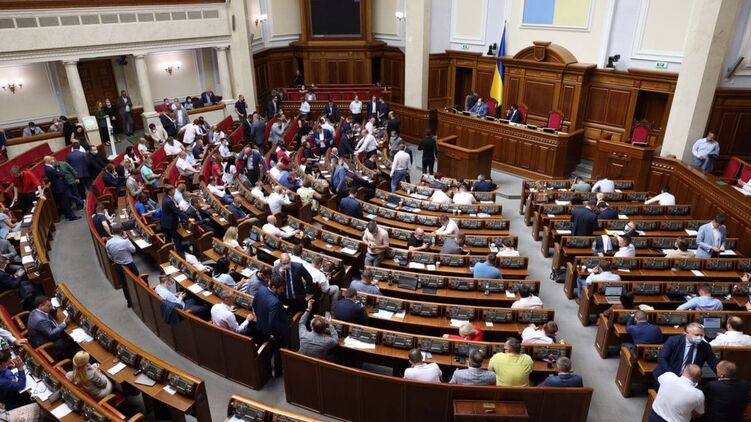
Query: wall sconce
x=261, y=18
x=11, y=85
x=171, y=67
x=400, y=16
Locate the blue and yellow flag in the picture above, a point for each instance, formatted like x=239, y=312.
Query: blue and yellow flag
x=496, y=89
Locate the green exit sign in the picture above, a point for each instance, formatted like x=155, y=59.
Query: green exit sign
x=661, y=65
x=465, y=46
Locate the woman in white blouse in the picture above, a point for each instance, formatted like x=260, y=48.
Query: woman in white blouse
x=173, y=147
x=507, y=249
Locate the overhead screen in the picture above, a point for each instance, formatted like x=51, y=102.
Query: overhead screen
x=335, y=18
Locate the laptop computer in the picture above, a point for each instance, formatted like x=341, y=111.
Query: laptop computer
x=393, y=201
x=712, y=326
x=407, y=282
x=613, y=294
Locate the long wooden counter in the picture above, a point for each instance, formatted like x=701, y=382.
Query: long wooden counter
x=519, y=150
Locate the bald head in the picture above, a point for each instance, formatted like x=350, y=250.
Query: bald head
x=284, y=259
x=271, y=220
x=692, y=372
x=726, y=369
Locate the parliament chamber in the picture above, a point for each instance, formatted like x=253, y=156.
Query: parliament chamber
x=430, y=210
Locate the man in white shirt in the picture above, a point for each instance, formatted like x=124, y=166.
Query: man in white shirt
x=440, y=196
x=304, y=107
x=463, y=197
x=544, y=335
x=367, y=144
x=355, y=107
x=271, y=228
x=625, y=247
x=326, y=125
x=527, y=299
x=603, y=185
x=664, y=198
x=733, y=336
x=276, y=171
x=448, y=227
x=421, y=371
x=705, y=151
x=400, y=167
x=190, y=131
x=163, y=289
x=601, y=273
x=184, y=166
x=277, y=199
x=257, y=190
x=158, y=133
x=370, y=125
x=222, y=315
x=322, y=280
x=678, y=399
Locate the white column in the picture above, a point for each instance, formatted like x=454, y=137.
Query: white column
x=144, y=86
x=709, y=31
x=76, y=89
x=241, y=59
x=224, y=76
x=416, y=53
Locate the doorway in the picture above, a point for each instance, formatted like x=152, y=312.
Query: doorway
x=98, y=80
x=462, y=85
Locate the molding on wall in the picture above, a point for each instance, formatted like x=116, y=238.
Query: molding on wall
x=457, y=39
x=639, y=53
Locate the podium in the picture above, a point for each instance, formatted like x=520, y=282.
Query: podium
x=455, y=161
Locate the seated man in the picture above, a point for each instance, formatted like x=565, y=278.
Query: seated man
x=487, y=269
x=448, y=226
x=511, y=367
x=546, y=335
x=600, y=273
x=703, y=302
x=421, y=371
x=474, y=374
x=366, y=284
x=416, y=241
x=733, y=336
x=322, y=280
x=454, y=246
x=11, y=384
x=180, y=299
x=625, y=247
x=44, y=328
x=642, y=331
x=348, y=309
x=440, y=196
x=565, y=377
x=16, y=281
x=236, y=209
x=315, y=343
x=527, y=299
x=604, y=245
x=271, y=228
x=223, y=315
x=463, y=196
x=350, y=206
x=483, y=185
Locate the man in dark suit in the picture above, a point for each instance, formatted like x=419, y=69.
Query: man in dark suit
x=682, y=350
x=331, y=110
x=79, y=160
x=124, y=107
x=373, y=108
x=168, y=124
x=171, y=216
x=14, y=279
x=349, y=204
x=322, y=139
x=297, y=282
x=349, y=310
x=236, y=209
x=514, y=115
x=43, y=328
x=247, y=130
x=393, y=123
x=584, y=219
x=272, y=107
x=258, y=131
x=565, y=377
x=383, y=111
x=642, y=331
x=208, y=98
x=271, y=319
x=726, y=397
x=604, y=212
x=59, y=187
x=483, y=185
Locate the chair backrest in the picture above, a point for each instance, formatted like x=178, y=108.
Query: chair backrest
x=640, y=134
x=745, y=175
x=555, y=120
x=523, y=110
x=491, y=108
x=731, y=170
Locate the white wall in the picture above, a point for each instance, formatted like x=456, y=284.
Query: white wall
x=282, y=26
x=386, y=27
x=34, y=101
x=740, y=46
x=474, y=24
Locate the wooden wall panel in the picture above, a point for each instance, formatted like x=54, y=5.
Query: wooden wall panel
x=730, y=119
x=538, y=96
x=438, y=81
x=617, y=107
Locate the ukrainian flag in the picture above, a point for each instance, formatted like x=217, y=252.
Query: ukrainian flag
x=496, y=89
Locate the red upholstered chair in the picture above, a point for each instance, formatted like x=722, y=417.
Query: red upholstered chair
x=491, y=107
x=523, y=110
x=555, y=120
x=640, y=133
x=731, y=170
x=745, y=176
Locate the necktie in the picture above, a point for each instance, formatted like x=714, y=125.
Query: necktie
x=290, y=285
x=689, y=359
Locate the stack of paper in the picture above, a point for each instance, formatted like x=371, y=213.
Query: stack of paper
x=61, y=411
x=28, y=259
x=486, y=202
x=142, y=243
x=195, y=289
x=247, y=272
x=483, y=215
x=458, y=322
x=348, y=251
x=622, y=217
x=742, y=191
x=287, y=229
x=80, y=336
x=117, y=368
x=431, y=267
x=691, y=232
x=418, y=196
x=564, y=231
x=180, y=278
x=562, y=202
x=697, y=273
x=401, y=314
x=169, y=269
x=728, y=252
x=383, y=314
x=510, y=294
x=357, y=344
x=416, y=266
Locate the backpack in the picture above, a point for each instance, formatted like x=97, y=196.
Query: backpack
x=559, y=275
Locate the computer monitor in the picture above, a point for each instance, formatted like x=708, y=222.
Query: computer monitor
x=712, y=322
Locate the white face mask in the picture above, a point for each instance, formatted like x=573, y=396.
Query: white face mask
x=695, y=339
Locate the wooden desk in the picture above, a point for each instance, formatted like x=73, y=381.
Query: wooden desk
x=519, y=150
x=463, y=161
x=242, y=406
x=478, y=410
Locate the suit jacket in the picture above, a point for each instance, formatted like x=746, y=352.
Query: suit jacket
x=79, y=161
x=350, y=311
x=112, y=181
x=563, y=380
x=302, y=282
x=515, y=116
x=393, y=126
x=346, y=147
x=207, y=98
x=705, y=240
x=370, y=109
x=383, y=109
x=725, y=400
x=271, y=318
x=247, y=131
x=484, y=186
x=585, y=221
x=8, y=282
x=121, y=103
x=332, y=112
x=351, y=207
x=644, y=333
x=42, y=328
x=608, y=214
x=670, y=358
x=96, y=164
x=258, y=132
x=56, y=178
x=168, y=125
x=171, y=214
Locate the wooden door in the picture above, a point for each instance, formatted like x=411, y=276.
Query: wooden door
x=98, y=80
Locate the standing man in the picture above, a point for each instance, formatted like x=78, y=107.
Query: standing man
x=171, y=216
x=271, y=318
x=710, y=238
x=241, y=107
x=584, y=220
x=258, y=131
x=682, y=350
x=297, y=282
x=383, y=111
x=678, y=398
x=59, y=187
x=355, y=109
x=377, y=241
x=400, y=167
x=705, y=151
x=79, y=160
x=429, y=148
x=124, y=107
x=120, y=250
x=727, y=396
x=26, y=187
x=331, y=110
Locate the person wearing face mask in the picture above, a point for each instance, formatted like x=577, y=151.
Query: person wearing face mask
x=678, y=399
x=681, y=351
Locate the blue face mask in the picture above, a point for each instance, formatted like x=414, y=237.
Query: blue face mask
x=695, y=339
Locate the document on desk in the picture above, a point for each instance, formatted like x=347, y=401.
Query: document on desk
x=383, y=314
x=418, y=196
x=55, y=302
x=80, y=336
x=430, y=267
x=27, y=259
x=117, y=368
x=247, y=272
x=624, y=270
x=61, y=411
x=195, y=288
x=564, y=231
x=622, y=217
x=691, y=232
x=697, y=273
x=483, y=214
x=727, y=252
x=562, y=202
x=169, y=269
x=144, y=380
x=486, y=202
x=416, y=266
x=458, y=322
x=348, y=251
x=510, y=294
x=401, y=314
x=357, y=344
x=23, y=238
x=371, y=216
x=27, y=249
x=287, y=229
x=180, y=278
x=742, y=191
x=142, y=243
x=551, y=215
x=488, y=323
x=169, y=390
